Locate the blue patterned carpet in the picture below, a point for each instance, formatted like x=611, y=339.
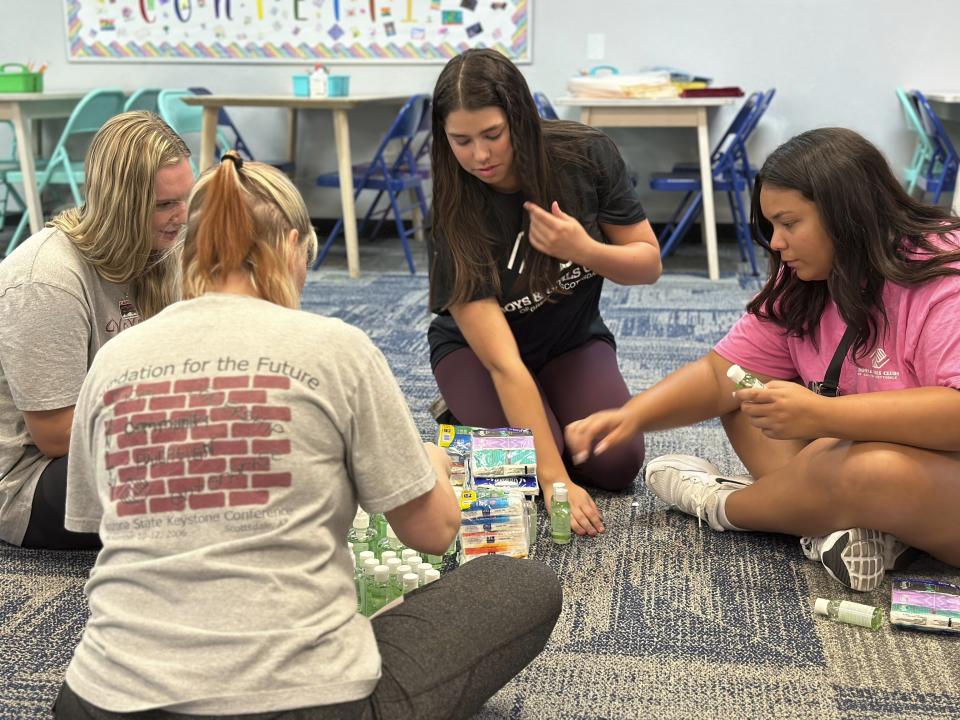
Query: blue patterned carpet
x=661, y=619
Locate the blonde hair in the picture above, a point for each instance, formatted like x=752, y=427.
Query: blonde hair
x=113, y=229
x=241, y=214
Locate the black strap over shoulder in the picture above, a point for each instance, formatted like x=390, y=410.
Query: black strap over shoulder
x=830, y=386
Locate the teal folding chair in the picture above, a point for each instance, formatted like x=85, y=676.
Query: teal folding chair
x=143, y=99
x=924, y=149
x=186, y=120
x=8, y=163
x=65, y=165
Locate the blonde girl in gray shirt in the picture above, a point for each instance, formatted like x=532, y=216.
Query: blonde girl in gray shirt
x=92, y=272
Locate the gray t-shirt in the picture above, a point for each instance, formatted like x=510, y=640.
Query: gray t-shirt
x=56, y=312
x=220, y=450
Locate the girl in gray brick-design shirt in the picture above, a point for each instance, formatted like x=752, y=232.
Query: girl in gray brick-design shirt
x=223, y=483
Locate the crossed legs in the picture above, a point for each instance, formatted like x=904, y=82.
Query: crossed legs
x=828, y=484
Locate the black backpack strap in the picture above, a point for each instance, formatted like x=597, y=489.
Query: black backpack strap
x=830, y=387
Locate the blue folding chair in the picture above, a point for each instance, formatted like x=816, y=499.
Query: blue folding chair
x=732, y=174
x=228, y=129
x=186, y=120
x=143, y=99
x=420, y=149
x=65, y=167
x=940, y=173
x=924, y=147
x=390, y=174
x=544, y=106
x=8, y=163
x=749, y=127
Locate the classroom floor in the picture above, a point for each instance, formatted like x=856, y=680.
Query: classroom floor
x=386, y=255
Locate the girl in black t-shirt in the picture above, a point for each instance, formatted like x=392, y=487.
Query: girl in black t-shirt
x=529, y=216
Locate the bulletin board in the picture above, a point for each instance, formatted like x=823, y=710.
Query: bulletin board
x=294, y=31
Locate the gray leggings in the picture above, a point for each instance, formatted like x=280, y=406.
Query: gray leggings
x=446, y=648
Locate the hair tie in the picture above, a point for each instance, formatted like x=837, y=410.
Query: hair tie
x=237, y=160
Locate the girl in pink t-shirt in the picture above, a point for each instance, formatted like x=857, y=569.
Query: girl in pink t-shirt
x=862, y=462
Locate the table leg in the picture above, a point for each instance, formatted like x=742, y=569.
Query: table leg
x=341, y=132
x=417, y=218
x=292, y=121
x=706, y=182
x=31, y=196
x=208, y=136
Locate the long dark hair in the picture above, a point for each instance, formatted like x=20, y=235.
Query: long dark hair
x=879, y=234
x=462, y=209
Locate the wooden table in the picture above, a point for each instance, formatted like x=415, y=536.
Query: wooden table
x=22, y=109
x=664, y=112
x=340, y=106
x=947, y=106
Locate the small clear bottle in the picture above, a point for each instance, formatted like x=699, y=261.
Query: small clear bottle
x=386, y=555
x=849, y=612
x=430, y=576
x=361, y=536
x=363, y=557
x=369, y=566
x=318, y=81
x=380, y=524
x=531, y=504
x=377, y=589
x=410, y=581
x=405, y=553
x=394, y=587
x=452, y=550
x=421, y=571
x=560, y=514
x=358, y=586
x=742, y=379
x=413, y=561
x=390, y=542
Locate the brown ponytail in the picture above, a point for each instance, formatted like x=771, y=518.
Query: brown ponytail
x=241, y=214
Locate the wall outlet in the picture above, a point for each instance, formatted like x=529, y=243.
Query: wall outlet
x=595, y=46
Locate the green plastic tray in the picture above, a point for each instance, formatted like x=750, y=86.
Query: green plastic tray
x=15, y=78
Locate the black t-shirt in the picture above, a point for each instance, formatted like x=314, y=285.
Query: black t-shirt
x=543, y=330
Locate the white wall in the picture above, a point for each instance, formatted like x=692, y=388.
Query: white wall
x=833, y=62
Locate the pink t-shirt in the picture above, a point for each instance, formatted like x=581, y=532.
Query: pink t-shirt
x=919, y=348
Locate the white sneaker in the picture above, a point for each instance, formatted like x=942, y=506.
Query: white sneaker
x=691, y=485
x=855, y=557
x=896, y=554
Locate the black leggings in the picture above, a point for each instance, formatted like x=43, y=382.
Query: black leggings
x=445, y=650
x=572, y=386
x=45, y=530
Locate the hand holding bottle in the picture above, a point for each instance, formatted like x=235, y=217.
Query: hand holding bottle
x=585, y=517
x=785, y=410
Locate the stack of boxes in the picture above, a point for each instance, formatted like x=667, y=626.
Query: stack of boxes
x=496, y=469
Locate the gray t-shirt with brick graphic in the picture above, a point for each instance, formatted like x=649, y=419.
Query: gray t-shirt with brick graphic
x=55, y=314
x=221, y=449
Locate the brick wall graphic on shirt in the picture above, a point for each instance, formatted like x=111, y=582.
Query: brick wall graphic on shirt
x=200, y=443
